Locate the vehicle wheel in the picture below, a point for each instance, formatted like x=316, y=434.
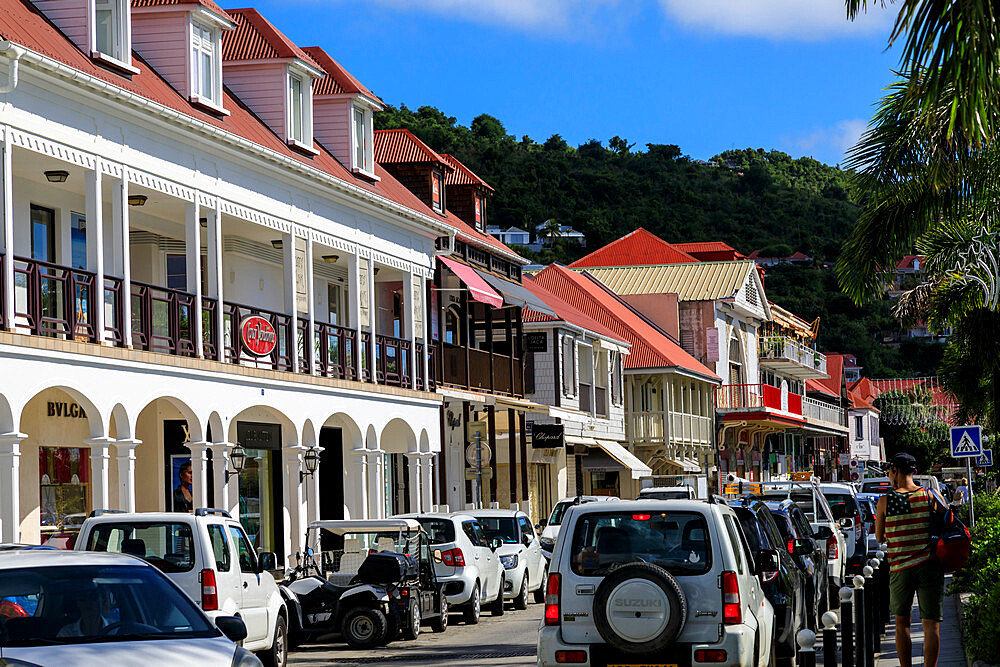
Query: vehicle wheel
x=521, y=601
x=540, y=591
x=277, y=655
x=411, y=629
x=391, y=629
x=440, y=624
x=364, y=628
x=471, y=613
x=647, y=629
x=496, y=607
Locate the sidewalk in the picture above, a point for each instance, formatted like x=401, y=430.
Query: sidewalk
x=951, y=653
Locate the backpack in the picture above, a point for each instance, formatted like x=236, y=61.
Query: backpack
x=951, y=541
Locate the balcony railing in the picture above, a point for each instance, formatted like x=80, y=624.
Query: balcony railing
x=749, y=397
x=57, y=301
x=503, y=376
x=798, y=359
x=684, y=428
x=820, y=411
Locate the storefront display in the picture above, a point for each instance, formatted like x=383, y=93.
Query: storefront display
x=64, y=490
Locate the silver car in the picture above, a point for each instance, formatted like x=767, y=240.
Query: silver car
x=467, y=566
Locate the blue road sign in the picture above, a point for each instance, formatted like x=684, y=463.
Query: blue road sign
x=966, y=441
x=986, y=460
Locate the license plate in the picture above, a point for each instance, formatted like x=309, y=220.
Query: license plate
x=641, y=664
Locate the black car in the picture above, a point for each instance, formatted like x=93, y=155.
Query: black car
x=807, y=552
x=784, y=588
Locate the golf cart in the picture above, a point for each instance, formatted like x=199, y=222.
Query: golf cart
x=366, y=580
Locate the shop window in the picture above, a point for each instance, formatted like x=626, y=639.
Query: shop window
x=64, y=493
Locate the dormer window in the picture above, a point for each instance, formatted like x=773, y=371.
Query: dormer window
x=480, y=213
x=206, y=64
x=437, y=191
x=111, y=30
x=299, y=107
x=364, y=150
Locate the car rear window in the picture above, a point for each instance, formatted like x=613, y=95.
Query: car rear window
x=503, y=527
x=166, y=545
x=439, y=531
x=781, y=521
x=752, y=530
x=676, y=541
x=842, y=505
x=881, y=486
x=663, y=495
x=558, y=511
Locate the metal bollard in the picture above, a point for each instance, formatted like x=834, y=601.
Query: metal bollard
x=867, y=571
x=830, y=639
x=860, y=653
x=847, y=626
x=884, y=589
x=807, y=652
x=876, y=604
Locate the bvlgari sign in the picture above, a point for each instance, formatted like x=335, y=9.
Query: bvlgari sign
x=258, y=336
x=546, y=436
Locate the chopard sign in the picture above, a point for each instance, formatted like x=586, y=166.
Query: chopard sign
x=546, y=436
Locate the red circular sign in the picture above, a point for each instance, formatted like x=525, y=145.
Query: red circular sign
x=258, y=335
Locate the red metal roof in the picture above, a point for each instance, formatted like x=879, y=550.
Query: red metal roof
x=462, y=174
x=207, y=4
x=651, y=348
x=638, y=248
x=565, y=312
x=862, y=394
x=401, y=145
x=710, y=251
x=22, y=24
x=829, y=386
x=907, y=262
x=256, y=39
x=338, y=81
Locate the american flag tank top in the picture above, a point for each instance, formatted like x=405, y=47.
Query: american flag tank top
x=907, y=528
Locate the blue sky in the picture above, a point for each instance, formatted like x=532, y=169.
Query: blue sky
x=707, y=75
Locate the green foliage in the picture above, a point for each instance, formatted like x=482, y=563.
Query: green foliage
x=981, y=617
x=909, y=424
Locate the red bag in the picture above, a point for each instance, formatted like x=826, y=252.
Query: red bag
x=951, y=541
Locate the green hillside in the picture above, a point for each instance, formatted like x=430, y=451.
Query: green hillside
x=751, y=199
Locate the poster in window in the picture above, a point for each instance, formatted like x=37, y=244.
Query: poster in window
x=181, y=476
x=479, y=210
x=301, y=296
x=436, y=189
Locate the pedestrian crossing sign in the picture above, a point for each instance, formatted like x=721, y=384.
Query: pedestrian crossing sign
x=986, y=460
x=966, y=441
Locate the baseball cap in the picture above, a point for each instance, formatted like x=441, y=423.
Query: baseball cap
x=903, y=462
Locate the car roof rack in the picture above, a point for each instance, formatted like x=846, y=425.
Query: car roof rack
x=205, y=511
x=716, y=499
x=100, y=512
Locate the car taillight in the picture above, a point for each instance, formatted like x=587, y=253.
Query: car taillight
x=209, y=593
x=791, y=546
x=857, y=524
x=571, y=657
x=711, y=655
x=832, y=550
x=732, y=612
x=552, y=600
x=453, y=557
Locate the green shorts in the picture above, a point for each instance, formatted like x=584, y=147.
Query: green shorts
x=927, y=581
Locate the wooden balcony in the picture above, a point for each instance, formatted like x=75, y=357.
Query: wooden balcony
x=477, y=370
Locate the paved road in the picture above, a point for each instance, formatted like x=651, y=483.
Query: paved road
x=507, y=640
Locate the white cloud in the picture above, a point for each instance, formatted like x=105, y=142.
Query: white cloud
x=828, y=144
x=808, y=20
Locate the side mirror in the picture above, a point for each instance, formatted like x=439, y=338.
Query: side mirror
x=767, y=560
x=267, y=561
x=802, y=547
x=822, y=533
x=495, y=543
x=232, y=627
x=847, y=523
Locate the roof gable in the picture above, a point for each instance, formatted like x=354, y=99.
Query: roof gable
x=635, y=248
x=255, y=38
x=462, y=174
x=565, y=312
x=401, y=146
x=205, y=4
x=832, y=385
x=338, y=81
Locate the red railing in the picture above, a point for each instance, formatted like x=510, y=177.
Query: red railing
x=209, y=331
x=366, y=361
x=280, y=358
x=114, y=308
x=163, y=320
x=336, y=351
x=392, y=361
x=419, y=380
x=755, y=397
x=55, y=300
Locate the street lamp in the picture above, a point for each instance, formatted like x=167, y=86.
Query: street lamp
x=311, y=459
x=238, y=457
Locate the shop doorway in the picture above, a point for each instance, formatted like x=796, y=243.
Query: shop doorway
x=331, y=473
x=397, y=484
x=260, y=486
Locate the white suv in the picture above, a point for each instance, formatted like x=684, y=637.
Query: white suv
x=520, y=554
x=656, y=581
x=209, y=556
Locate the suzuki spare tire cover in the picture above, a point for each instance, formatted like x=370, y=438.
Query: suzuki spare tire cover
x=639, y=608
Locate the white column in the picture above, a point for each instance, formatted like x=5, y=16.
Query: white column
x=414, y=478
x=426, y=360
x=291, y=457
x=372, y=316
x=357, y=473
x=288, y=248
x=376, y=490
x=409, y=330
x=95, y=245
x=354, y=304
x=100, y=462
x=123, y=251
x=7, y=222
x=426, y=482
x=192, y=247
x=215, y=281
x=309, y=345
x=125, y=459
x=199, y=473
x=227, y=496
x=10, y=486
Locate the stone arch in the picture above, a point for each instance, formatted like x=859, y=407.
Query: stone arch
x=124, y=428
x=371, y=437
x=216, y=426
x=95, y=418
x=196, y=428
x=424, y=441
x=258, y=412
x=353, y=438
x=398, y=437
x=7, y=421
x=308, y=438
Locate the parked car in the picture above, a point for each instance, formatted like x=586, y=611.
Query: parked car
x=682, y=492
x=786, y=586
x=208, y=555
x=812, y=502
x=637, y=581
x=78, y=608
x=878, y=486
x=809, y=552
x=847, y=511
x=869, y=507
x=372, y=580
x=520, y=554
x=550, y=529
x=466, y=565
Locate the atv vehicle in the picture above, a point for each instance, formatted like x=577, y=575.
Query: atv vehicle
x=372, y=580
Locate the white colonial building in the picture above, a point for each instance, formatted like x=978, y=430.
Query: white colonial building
x=198, y=254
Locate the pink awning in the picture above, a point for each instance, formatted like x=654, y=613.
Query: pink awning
x=479, y=289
